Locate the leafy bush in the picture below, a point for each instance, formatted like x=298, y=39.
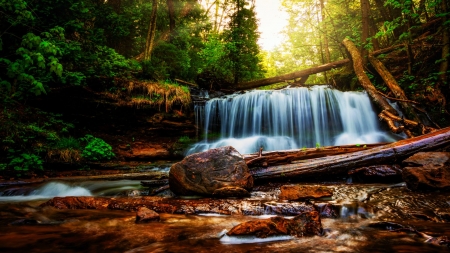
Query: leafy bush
x=26, y=162
x=96, y=149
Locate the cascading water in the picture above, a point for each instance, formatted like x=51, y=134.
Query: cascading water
x=289, y=119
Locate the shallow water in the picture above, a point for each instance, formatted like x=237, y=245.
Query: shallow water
x=53, y=230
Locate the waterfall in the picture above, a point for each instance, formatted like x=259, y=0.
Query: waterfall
x=289, y=119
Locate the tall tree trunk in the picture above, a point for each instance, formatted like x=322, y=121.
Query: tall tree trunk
x=364, y=79
x=325, y=39
x=171, y=10
x=216, y=16
x=365, y=9
x=151, y=31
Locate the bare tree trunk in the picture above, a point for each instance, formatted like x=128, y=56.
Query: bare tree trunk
x=365, y=9
x=216, y=16
x=324, y=46
x=151, y=31
x=364, y=79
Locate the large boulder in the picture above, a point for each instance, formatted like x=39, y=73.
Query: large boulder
x=427, y=171
x=206, y=173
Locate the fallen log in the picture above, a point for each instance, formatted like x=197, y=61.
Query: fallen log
x=269, y=158
x=291, y=76
x=341, y=164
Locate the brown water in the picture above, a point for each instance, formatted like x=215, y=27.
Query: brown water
x=116, y=231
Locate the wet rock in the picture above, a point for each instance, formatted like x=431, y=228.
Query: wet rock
x=428, y=171
x=287, y=208
x=438, y=159
x=297, y=192
x=327, y=210
x=230, y=191
x=305, y=224
x=205, y=172
x=78, y=203
x=376, y=173
x=143, y=214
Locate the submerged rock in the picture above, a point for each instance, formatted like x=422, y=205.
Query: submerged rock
x=297, y=192
x=428, y=171
x=304, y=224
x=206, y=172
x=143, y=214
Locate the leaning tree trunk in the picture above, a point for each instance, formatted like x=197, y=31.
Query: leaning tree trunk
x=339, y=164
x=291, y=76
x=364, y=79
x=388, y=113
x=394, y=87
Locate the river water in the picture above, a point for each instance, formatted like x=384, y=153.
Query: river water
x=26, y=227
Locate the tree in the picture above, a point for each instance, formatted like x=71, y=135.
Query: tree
x=241, y=43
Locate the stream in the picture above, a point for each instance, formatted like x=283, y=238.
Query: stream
x=360, y=210
x=357, y=218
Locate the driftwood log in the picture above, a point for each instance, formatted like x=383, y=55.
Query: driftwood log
x=270, y=158
x=291, y=76
x=340, y=164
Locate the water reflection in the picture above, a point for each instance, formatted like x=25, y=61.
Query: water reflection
x=56, y=230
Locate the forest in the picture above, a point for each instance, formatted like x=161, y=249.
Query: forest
x=150, y=55
x=168, y=126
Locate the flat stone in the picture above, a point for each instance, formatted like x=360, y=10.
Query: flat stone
x=143, y=214
x=297, y=192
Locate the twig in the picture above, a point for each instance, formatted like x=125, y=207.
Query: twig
x=397, y=99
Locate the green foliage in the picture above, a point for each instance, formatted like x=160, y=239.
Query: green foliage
x=26, y=162
x=184, y=139
x=96, y=149
x=241, y=44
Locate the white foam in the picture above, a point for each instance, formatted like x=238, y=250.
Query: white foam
x=252, y=239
